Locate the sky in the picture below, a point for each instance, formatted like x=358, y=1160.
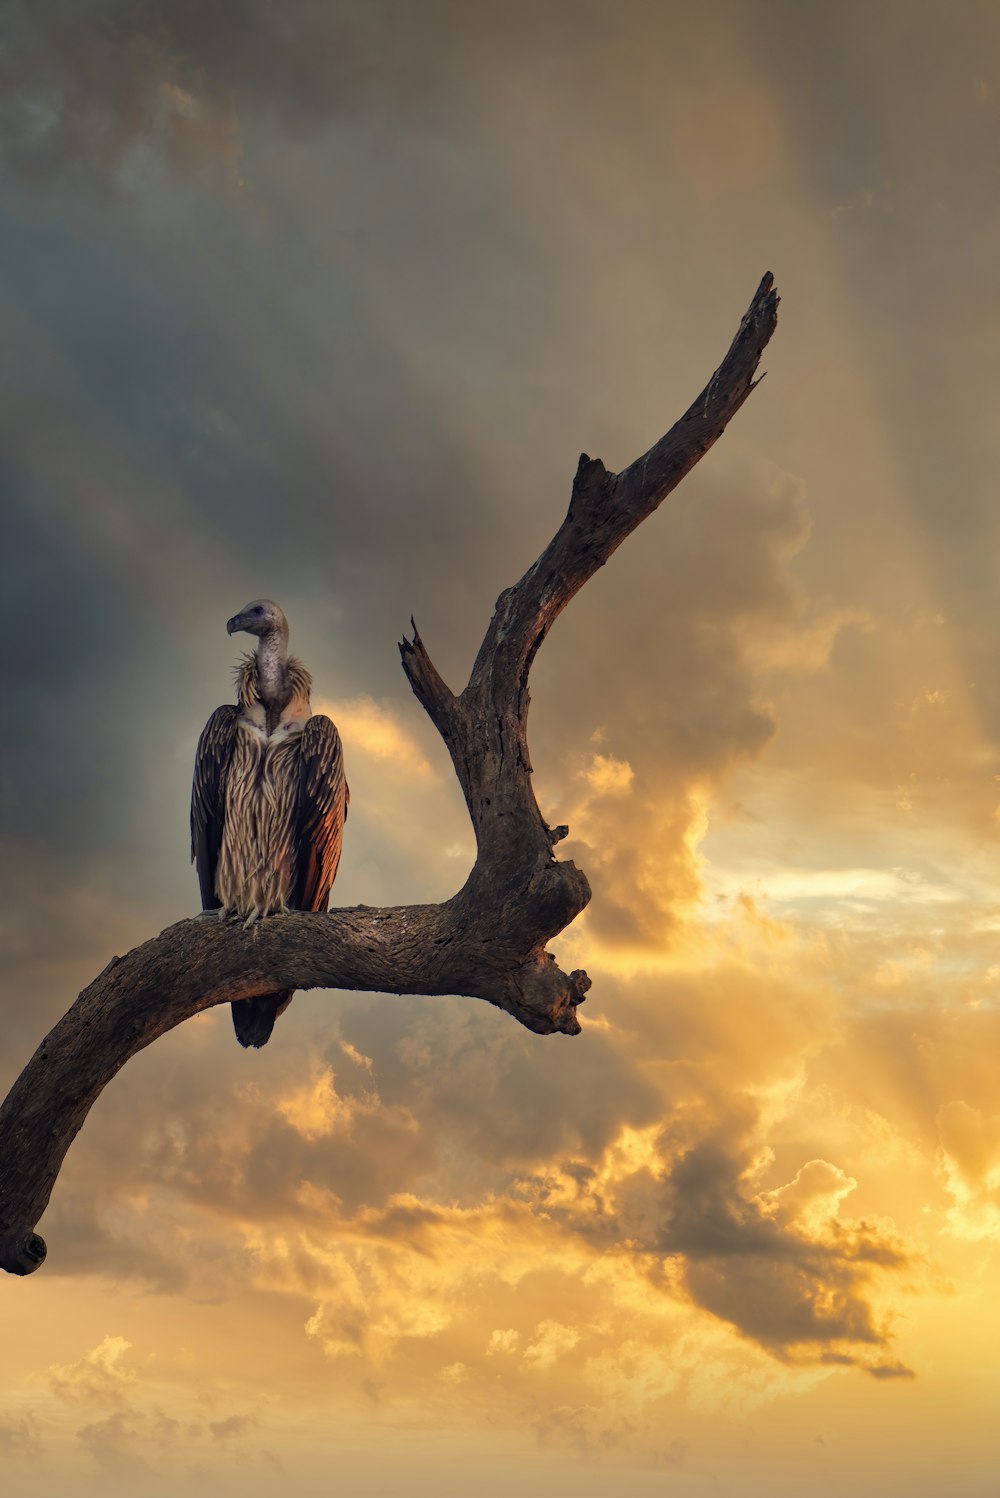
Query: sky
x=321, y=302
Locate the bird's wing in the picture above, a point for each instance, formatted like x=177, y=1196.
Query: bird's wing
x=208, y=798
x=323, y=798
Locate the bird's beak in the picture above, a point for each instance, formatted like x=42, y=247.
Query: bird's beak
x=233, y=624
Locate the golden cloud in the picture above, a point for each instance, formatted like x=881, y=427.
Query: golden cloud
x=372, y=728
x=101, y=1376
x=970, y=1157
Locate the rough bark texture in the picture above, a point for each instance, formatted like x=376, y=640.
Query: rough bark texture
x=487, y=941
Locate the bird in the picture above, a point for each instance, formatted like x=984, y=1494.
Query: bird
x=269, y=799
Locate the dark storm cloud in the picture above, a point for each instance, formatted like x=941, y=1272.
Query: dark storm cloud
x=53, y=681
x=95, y=90
x=85, y=85
x=458, y=1069
x=796, y=1287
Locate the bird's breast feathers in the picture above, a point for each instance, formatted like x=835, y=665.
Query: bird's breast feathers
x=256, y=868
x=294, y=717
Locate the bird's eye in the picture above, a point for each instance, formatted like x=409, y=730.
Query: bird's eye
x=258, y=610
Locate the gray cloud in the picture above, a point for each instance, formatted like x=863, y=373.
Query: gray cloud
x=94, y=91
x=796, y=1290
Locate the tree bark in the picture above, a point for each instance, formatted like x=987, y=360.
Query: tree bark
x=488, y=941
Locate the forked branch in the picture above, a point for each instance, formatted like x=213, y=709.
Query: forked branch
x=488, y=941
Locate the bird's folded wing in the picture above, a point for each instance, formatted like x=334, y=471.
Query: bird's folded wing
x=208, y=797
x=323, y=798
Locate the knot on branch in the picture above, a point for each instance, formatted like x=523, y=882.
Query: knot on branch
x=558, y=893
x=531, y=910
x=22, y=1252
x=544, y=998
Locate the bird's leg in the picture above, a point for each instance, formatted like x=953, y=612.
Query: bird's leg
x=251, y=918
x=212, y=915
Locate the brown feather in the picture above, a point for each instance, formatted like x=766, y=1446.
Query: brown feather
x=323, y=800
x=208, y=798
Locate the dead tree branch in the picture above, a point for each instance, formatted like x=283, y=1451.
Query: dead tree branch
x=488, y=941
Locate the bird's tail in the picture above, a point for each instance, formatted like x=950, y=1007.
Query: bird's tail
x=253, y=1019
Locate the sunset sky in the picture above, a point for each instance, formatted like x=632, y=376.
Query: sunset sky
x=320, y=301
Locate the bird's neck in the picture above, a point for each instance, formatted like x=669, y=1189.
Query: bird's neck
x=272, y=656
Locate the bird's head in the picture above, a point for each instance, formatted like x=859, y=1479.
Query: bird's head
x=261, y=617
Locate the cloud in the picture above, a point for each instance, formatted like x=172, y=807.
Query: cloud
x=812, y=1199
x=20, y=1437
x=890, y=1370
x=607, y=776
x=552, y=1341
x=233, y=1425
x=715, y=618
x=115, y=1444
x=145, y=1415
x=372, y=728
x=101, y=1376
x=502, y=1341
x=103, y=91
x=136, y=1444
x=317, y=1111
x=780, y=1265
x=970, y=1157
x=372, y=1298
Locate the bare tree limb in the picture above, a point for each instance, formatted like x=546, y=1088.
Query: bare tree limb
x=488, y=941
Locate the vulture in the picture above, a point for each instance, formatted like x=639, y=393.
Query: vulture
x=269, y=799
